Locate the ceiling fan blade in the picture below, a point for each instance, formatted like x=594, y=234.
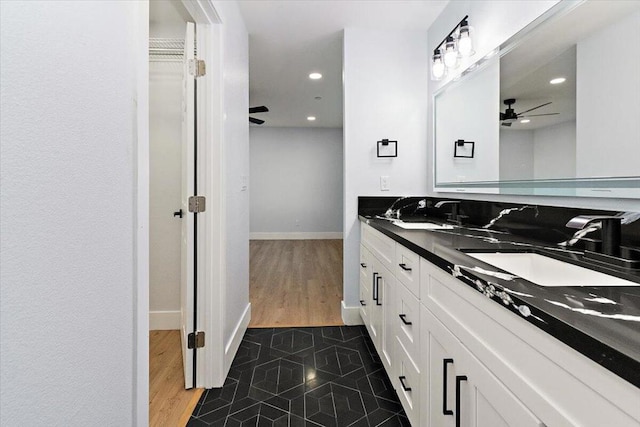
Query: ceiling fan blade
x=256, y=121
x=260, y=109
x=537, y=115
x=507, y=124
x=531, y=109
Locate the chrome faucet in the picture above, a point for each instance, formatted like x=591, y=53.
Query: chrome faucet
x=610, y=230
x=454, y=216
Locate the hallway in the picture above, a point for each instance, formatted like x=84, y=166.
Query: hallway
x=295, y=283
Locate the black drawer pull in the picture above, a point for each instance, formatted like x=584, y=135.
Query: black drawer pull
x=404, y=320
x=459, y=379
x=362, y=303
x=445, y=411
x=375, y=291
x=404, y=387
x=404, y=267
x=377, y=286
x=363, y=265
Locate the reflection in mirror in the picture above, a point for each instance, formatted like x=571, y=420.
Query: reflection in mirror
x=564, y=109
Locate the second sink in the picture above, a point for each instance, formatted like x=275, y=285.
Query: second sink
x=546, y=271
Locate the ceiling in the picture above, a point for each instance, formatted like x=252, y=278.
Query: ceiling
x=288, y=40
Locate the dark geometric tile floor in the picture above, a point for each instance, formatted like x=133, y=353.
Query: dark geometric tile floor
x=327, y=376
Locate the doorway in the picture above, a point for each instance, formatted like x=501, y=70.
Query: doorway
x=171, y=147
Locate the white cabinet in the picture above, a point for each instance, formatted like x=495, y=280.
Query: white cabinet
x=436, y=335
x=461, y=390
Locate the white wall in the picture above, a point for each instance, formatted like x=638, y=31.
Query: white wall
x=70, y=331
x=494, y=22
x=296, y=181
x=385, y=76
x=554, y=151
x=516, y=154
x=608, y=100
x=165, y=137
x=235, y=200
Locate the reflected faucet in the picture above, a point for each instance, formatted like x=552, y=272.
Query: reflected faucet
x=454, y=216
x=610, y=229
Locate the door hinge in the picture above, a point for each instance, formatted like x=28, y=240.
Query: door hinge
x=197, y=67
x=195, y=340
x=197, y=204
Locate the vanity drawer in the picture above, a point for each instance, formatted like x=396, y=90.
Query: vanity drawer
x=407, y=269
x=407, y=318
x=408, y=384
x=380, y=246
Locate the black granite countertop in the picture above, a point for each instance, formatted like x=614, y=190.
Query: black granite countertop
x=603, y=323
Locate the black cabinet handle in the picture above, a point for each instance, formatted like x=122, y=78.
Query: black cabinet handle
x=445, y=411
x=404, y=267
x=404, y=387
x=377, y=286
x=362, y=303
x=404, y=320
x=375, y=291
x=178, y=213
x=363, y=265
x=459, y=379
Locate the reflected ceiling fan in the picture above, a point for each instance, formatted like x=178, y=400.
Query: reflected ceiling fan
x=253, y=110
x=509, y=116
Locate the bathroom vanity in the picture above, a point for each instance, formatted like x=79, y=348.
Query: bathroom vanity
x=469, y=343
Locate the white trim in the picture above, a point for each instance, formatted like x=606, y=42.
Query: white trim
x=351, y=315
x=231, y=348
x=211, y=298
x=140, y=392
x=164, y=320
x=297, y=235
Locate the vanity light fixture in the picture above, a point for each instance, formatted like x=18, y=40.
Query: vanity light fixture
x=557, y=80
x=315, y=76
x=457, y=44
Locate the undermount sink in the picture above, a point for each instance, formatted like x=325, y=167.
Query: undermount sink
x=422, y=225
x=546, y=271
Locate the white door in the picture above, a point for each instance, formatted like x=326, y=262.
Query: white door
x=188, y=180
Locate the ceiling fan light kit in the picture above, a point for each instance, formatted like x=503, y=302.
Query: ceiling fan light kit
x=457, y=44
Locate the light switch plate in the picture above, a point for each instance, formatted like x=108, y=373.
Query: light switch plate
x=384, y=183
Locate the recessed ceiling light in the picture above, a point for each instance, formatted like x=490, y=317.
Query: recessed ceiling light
x=525, y=121
x=315, y=76
x=557, y=80
x=311, y=118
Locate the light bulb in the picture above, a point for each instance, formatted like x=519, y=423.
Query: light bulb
x=450, y=53
x=437, y=68
x=465, y=45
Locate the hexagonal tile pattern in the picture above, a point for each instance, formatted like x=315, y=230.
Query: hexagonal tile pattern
x=329, y=376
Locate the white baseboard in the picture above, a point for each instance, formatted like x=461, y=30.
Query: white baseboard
x=296, y=236
x=164, y=320
x=351, y=315
x=231, y=348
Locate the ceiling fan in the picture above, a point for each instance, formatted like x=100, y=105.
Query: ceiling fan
x=509, y=116
x=260, y=109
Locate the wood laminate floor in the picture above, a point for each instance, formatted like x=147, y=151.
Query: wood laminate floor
x=170, y=405
x=295, y=283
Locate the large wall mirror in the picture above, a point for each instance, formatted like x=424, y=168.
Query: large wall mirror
x=556, y=112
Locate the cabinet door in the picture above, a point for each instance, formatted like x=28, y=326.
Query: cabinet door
x=387, y=290
x=375, y=309
x=365, y=285
x=462, y=391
